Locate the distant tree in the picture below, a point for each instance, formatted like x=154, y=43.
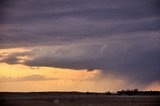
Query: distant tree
x=87, y=93
x=108, y=93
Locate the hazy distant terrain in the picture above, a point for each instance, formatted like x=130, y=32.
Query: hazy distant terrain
x=76, y=99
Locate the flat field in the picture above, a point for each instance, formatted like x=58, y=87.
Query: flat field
x=64, y=99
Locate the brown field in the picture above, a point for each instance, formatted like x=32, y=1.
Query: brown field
x=60, y=99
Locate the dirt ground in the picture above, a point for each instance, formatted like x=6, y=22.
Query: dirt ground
x=79, y=100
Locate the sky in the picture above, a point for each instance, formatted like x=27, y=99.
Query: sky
x=79, y=45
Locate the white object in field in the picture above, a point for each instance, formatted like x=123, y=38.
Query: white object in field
x=56, y=101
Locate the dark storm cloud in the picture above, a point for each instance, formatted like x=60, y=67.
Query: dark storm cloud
x=13, y=57
x=32, y=10
x=133, y=56
x=39, y=22
x=122, y=36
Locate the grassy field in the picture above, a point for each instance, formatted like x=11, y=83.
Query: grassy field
x=61, y=99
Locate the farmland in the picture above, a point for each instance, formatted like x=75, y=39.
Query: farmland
x=76, y=99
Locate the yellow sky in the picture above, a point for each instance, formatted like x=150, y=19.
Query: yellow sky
x=56, y=79
x=24, y=78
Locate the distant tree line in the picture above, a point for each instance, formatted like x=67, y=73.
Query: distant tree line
x=122, y=92
x=126, y=92
x=137, y=92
